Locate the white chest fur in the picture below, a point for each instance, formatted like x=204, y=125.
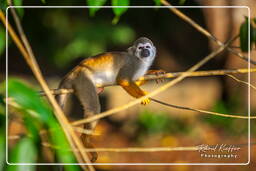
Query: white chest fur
x=142, y=70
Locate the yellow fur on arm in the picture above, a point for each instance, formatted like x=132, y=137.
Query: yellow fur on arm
x=131, y=88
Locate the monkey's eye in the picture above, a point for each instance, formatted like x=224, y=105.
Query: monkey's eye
x=140, y=47
x=148, y=46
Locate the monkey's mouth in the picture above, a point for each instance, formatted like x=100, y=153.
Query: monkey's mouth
x=144, y=53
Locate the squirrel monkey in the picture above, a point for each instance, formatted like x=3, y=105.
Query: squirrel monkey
x=110, y=68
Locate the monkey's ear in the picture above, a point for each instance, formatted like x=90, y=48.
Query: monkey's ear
x=130, y=50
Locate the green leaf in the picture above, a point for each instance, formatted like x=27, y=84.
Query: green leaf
x=43, y=1
x=24, y=152
x=92, y=11
x=36, y=112
x=2, y=39
x=3, y=5
x=29, y=99
x=63, y=151
x=244, y=34
x=157, y=2
x=119, y=11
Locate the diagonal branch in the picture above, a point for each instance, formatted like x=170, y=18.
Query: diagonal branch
x=68, y=129
x=204, y=31
x=241, y=81
x=30, y=59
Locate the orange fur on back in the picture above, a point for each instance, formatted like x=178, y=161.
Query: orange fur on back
x=95, y=62
x=98, y=60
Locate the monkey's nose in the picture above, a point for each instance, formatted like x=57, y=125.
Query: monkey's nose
x=145, y=53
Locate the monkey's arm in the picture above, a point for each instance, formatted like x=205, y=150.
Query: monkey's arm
x=132, y=89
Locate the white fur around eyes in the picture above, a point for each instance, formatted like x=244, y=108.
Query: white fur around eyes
x=148, y=44
x=139, y=45
x=144, y=45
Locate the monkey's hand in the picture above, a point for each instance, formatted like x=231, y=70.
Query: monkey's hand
x=157, y=73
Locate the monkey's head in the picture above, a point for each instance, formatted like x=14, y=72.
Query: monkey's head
x=143, y=49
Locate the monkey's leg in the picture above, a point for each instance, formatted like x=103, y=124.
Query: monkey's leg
x=87, y=95
x=135, y=91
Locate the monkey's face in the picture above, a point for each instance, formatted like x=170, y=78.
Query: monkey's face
x=143, y=49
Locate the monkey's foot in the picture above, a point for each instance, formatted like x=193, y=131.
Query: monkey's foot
x=94, y=156
x=145, y=101
x=157, y=73
x=88, y=144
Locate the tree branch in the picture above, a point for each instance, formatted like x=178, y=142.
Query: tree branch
x=204, y=111
x=30, y=59
x=204, y=31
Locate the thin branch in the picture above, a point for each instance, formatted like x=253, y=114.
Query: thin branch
x=158, y=90
x=58, y=91
x=86, y=131
x=241, y=81
x=204, y=31
x=203, y=111
x=129, y=149
x=201, y=73
x=143, y=149
x=30, y=59
x=132, y=149
x=171, y=75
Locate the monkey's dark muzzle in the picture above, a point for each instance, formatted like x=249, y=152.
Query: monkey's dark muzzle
x=145, y=53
